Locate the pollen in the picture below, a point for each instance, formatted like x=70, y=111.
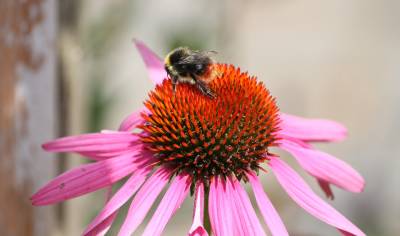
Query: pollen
x=228, y=135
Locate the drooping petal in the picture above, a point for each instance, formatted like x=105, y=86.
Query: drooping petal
x=302, y=194
x=197, y=228
x=132, y=120
x=95, y=143
x=249, y=221
x=311, y=129
x=154, y=64
x=199, y=231
x=344, y=233
x=143, y=201
x=102, y=228
x=238, y=227
x=136, y=151
x=325, y=167
x=219, y=206
x=172, y=200
x=326, y=187
x=271, y=216
x=120, y=197
x=299, y=142
x=85, y=179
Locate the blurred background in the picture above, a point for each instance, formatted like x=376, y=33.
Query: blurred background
x=69, y=67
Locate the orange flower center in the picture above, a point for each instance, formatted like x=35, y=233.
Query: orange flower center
x=227, y=135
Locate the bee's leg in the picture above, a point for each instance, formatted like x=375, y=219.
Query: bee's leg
x=174, y=82
x=202, y=86
x=173, y=88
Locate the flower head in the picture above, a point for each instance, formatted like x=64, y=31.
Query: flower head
x=211, y=146
x=225, y=136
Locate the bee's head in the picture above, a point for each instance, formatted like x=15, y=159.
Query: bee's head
x=167, y=64
x=173, y=59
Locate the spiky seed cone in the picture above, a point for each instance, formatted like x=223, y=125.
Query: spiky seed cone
x=224, y=136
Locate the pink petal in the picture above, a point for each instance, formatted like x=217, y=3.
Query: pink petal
x=85, y=179
x=171, y=201
x=219, y=206
x=345, y=233
x=136, y=151
x=197, y=228
x=97, y=155
x=102, y=228
x=145, y=157
x=154, y=64
x=302, y=194
x=311, y=129
x=132, y=121
x=249, y=223
x=238, y=227
x=299, y=142
x=325, y=167
x=199, y=231
x=110, y=131
x=122, y=196
x=325, y=186
x=95, y=143
x=271, y=216
x=143, y=201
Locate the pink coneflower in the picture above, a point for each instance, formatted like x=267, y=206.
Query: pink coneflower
x=206, y=147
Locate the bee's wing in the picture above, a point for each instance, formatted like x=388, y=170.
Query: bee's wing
x=196, y=58
x=208, y=53
x=188, y=60
x=211, y=52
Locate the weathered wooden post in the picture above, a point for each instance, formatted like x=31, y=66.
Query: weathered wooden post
x=28, y=110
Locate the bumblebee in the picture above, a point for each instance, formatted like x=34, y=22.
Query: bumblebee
x=192, y=67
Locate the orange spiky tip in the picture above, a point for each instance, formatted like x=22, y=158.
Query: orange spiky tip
x=227, y=135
